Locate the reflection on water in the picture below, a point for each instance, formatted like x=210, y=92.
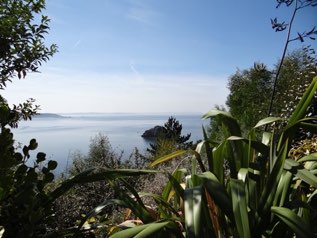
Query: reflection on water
x=61, y=136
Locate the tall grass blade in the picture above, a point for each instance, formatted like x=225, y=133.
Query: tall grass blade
x=267, y=120
x=193, y=211
x=92, y=175
x=208, y=152
x=218, y=193
x=240, y=210
x=269, y=191
x=168, y=157
x=304, y=103
x=293, y=221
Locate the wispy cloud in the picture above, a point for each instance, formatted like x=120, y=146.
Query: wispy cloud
x=138, y=76
x=76, y=44
x=141, y=13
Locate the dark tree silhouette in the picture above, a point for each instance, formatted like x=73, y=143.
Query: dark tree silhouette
x=172, y=134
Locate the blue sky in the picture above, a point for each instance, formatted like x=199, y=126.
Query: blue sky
x=148, y=56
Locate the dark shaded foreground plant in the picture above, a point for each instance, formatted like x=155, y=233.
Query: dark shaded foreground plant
x=263, y=193
x=26, y=196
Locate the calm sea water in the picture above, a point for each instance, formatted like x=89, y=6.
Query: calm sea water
x=60, y=137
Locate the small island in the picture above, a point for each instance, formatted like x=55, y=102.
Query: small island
x=154, y=132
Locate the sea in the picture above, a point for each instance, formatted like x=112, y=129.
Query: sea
x=62, y=135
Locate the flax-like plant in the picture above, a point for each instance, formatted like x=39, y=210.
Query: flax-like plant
x=261, y=192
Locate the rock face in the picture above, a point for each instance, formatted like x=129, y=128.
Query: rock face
x=154, y=132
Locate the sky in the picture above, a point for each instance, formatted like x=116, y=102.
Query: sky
x=153, y=56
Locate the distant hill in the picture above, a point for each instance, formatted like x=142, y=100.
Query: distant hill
x=48, y=115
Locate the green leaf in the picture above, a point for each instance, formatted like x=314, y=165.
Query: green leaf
x=267, y=120
x=311, y=157
x=131, y=232
x=268, y=193
x=173, y=184
x=293, y=221
x=208, y=149
x=92, y=176
x=240, y=209
x=302, y=173
x=168, y=157
x=258, y=146
x=282, y=188
x=142, y=231
x=193, y=211
x=165, y=208
x=226, y=118
x=219, y=155
x=307, y=176
x=218, y=193
x=152, y=229
x=304, y=103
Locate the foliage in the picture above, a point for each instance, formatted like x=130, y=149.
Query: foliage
x=215, y=128
x=248, y=97
x=84, y=197
x=281, y=86
x=11, y=116
x=170, y=140
x=282, y=26
x=295, y=75
x=24, y=208
x=22, y=48
x=27, y=191
x=266, y=193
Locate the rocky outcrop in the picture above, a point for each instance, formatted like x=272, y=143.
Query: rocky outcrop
x=154, y=132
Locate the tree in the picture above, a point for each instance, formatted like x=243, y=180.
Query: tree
x=170, y=139
x=300, y=36
x=22, y=50
x=25, y=209
x=250, y=89
x=249, y=93
x=299, y=67
x=22, y=47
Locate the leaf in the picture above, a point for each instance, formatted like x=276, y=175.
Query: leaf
x=226, y=118
x=240, y=210
x=293, y=221
x=164, y=207
x=193, y=211
x=300, y=37
x=311, y=157
x=258, y=146
x=302, y=173
x=152, y=229
x=218, y=160
x=40, y=157
x=208, y=151
x=307, y=176
x=173, y=184
x=268, y=193
x=304, y=103
x=131, y=232
x=168, y=157
x=142, y=231
x=218, y=193
x=92, y=176
x=267, y=120
x=52, y=164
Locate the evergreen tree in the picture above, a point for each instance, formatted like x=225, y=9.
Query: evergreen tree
x=170, y=139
